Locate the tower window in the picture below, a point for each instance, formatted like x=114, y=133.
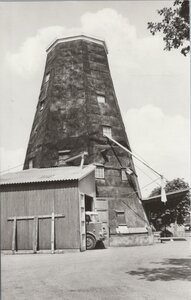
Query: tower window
x=107, y=131
x=101, y=99
x=123, y=175
x=47, y=77
x=35, y=129
x=120, y=216
x=62, y=156
x=41, y=105
x=99, y=173
x=44, y=91
x=129, y=171
x=30, y=163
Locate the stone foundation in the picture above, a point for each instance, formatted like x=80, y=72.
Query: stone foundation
x=138, y=239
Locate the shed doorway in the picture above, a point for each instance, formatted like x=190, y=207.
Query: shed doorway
x=89, y=203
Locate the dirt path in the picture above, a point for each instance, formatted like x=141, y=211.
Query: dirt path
x=154, y=272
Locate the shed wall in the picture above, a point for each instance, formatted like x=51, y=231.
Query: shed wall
x=87, y=185
x=41, y=199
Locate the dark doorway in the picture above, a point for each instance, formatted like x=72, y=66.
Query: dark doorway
x=88, y=203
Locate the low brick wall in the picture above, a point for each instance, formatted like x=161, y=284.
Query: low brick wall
x=137, y=239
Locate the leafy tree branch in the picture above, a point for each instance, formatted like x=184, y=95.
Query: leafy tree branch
x=175, y=26
x=172, y=211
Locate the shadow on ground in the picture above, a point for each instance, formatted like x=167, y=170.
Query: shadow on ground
x=100, y=245
x=174, y=269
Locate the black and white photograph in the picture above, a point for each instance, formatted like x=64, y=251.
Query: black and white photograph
x=95, y=150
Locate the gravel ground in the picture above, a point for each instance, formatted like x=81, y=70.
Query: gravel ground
x=161, y=271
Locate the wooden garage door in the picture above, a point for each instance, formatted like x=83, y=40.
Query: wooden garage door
x=102, y=209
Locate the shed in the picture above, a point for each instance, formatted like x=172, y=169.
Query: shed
x=153, y=205
x=44, y=209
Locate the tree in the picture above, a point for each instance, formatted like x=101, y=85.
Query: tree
x=175, y=26
x=172, y=211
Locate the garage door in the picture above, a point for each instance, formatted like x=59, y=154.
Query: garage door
x=102, y=209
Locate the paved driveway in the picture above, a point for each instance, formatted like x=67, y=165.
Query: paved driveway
x=161, y=271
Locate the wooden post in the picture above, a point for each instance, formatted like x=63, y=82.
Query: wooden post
x=35, y=229
x=175, y=228
x=52, y=233
x=35, y=234
x=14, y=235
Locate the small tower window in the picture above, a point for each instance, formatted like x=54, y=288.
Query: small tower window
x=41, y=105
x=101, y=99
x=129, y=171
x=123, y=175
x=107, y=131
x=62, y=156
x=120, y=216
x=35, y=129
x=47, y=77
x=30, y=163
x=44, y=91
x=99, y=173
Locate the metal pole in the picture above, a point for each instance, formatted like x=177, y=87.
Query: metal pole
x=108, y=137
x=52, y=233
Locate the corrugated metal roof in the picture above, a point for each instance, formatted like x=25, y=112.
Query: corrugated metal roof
x=46, y=174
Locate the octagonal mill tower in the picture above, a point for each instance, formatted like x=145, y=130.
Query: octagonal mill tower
x=77, y=105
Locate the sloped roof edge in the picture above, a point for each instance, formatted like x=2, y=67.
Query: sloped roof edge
x=46, y=175
x=77, y=37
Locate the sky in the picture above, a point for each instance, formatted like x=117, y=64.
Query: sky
x=152, y=85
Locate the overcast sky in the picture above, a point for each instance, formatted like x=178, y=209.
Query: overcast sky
x=152, y=85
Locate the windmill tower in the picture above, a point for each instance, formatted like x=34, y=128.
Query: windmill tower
x=77, y=105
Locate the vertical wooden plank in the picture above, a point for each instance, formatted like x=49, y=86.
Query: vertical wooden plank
x=67, y=234
x=102, y=210
x=44, y=196
x=52, y=233
x=35, y=234
x=14, y=235
x=82, y=223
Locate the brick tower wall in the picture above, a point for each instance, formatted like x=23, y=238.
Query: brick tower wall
x=70, y=117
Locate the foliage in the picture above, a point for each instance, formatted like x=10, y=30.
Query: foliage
x=171, y=186
x=175, y=26
x=173, y=211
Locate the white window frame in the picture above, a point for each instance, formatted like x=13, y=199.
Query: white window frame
x=107, y=130
x=35, y=129
x=47, y=77
x=31, y=163
x=121, y=215
x=42, y=102
x=100, y=172
x=101, y=99
x=123, y=175
x=63, y=155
